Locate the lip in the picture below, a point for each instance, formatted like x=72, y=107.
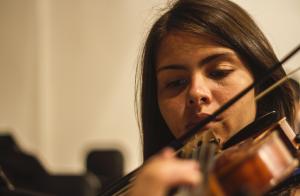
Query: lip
x=196, y=119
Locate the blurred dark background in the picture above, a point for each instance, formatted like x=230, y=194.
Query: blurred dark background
x=22, y=173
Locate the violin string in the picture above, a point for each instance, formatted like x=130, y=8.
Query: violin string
x=205, y=154
x=198, y=153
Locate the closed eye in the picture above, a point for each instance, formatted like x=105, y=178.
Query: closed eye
x=220, y=73
x=176, y=83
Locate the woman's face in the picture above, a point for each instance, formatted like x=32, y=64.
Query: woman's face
x=195, y=77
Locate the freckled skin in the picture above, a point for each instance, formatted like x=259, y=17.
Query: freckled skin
x=214, y=82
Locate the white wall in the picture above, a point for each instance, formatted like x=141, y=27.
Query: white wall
x=67, y=71
x=18, y=70
x=280, y=21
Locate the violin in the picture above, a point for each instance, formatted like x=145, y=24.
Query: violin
x=268, y=159
x=251, y=164
x=251, y=167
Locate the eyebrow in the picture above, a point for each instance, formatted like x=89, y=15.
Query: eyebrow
x=206, y=60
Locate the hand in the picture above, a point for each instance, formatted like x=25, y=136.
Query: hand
x=163, y=172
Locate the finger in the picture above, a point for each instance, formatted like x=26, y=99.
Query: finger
x=167, y=152
x=186, y=172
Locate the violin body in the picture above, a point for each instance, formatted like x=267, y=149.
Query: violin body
x=257, y=164
x=254, y=170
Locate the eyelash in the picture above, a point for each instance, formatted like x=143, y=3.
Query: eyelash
x=176, y=83
x=217, y=74
x=220, y=74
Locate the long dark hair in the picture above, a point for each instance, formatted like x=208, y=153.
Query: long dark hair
x=232, y=27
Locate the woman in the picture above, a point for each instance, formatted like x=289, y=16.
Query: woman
x=198, y=55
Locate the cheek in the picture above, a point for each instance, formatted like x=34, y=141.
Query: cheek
x=222, y=95
x=244, y=110
x=247, y=109
x=245, y=103
x=248, y=104
x=172, y=111
x=237, y=117
x=224, y=92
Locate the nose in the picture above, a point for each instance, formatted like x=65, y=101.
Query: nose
x=199, y=93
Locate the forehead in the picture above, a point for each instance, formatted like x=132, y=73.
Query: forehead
x=186, y=41
x=179, y=44
x=182, y=48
